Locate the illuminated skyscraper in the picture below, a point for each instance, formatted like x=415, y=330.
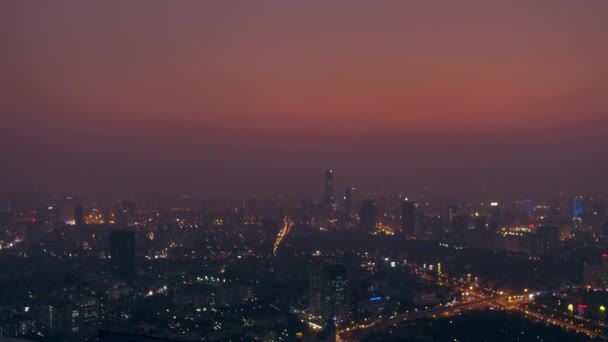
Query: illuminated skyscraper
x=577, y=207
x=334, y=293
x=77, y=315
x=314, y=294
x=89, y=313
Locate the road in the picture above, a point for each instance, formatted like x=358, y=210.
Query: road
x=567, y=322
x=287, y=225
x=481, y=299
x=361, y=330
x=385, y=229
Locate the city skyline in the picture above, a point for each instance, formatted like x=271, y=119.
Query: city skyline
x=303, y=171
x=327, y=194
x=349, y=267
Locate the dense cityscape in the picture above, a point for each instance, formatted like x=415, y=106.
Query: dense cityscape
x=344, y=266
x=341, y=171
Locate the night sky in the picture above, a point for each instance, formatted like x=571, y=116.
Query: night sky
x=248, y=97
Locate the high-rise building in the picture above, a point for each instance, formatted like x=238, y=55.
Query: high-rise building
x=304, y=213
x=452, y=213
x=126, y=215
x=51, y=317
x=7, y=217
x=89, y=313
x=79, y=216
x=314, y=293
x=249, y=206
x=334, y=293
x=34, y=231
x=459, y=228
x=17, y=325
x=496, y=216
x=529, y=207
x=328, y=195
x=232, y=217
x=408, y=217
x=123, y=252
x=481, y=223
x=70, y=316
x=347, y=201
x=368, y=215
x=49, y=217
x=60, y=316
x=577, y=207
x=350, y=202
x=547, y=241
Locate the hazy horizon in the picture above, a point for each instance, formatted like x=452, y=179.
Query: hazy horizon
x=234, y=99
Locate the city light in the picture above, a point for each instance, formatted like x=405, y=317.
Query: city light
x=386, y=170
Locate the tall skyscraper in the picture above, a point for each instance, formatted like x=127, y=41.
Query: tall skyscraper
x=232, y=217
x=547, y=243
x=328, y=197
x=49, y=317
x=304, y=212
x=452, y=213
x=496, y=216
x=71, y=316
x=459, y=227
x=529, y=207
x=126, y=216
x=334, y=293
x=314, y=290
x=577, y=207
x=347, y=201
x=89, y=313
x=249, y=206
x=368, y=215
x=7, y=217
x=79, y=216
x=350, y=201
x=50, y=217
x=408, y=217
x=123, y=252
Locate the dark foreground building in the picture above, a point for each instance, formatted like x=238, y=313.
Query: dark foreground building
x=123, y=252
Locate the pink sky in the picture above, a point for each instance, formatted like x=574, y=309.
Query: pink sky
x=164, y=94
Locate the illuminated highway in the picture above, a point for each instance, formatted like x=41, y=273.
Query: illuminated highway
x=287, y=225
x=356, y=332
x=522, y=305
x=567, y=322
x=385, y=229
